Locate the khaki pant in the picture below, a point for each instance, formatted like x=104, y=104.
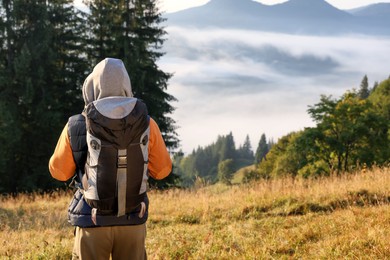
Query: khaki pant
x=118, y=242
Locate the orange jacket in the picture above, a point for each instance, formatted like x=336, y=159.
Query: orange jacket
x=62, y=166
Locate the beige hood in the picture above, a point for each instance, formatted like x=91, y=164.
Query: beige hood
x=109, y=78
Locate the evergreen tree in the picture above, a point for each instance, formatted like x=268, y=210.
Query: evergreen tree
x=246, y=149
x=204, y=162
x=130, y=30
x=364, y=91
x=9, y=133
x=104, y=25
x=228, y=148
x=262, y=150
x=34, y=90
x=150, y=82
x=244, y=154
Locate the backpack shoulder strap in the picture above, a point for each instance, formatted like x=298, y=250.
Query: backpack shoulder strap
x=78, y=143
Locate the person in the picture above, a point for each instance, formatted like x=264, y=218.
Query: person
x=101, y=236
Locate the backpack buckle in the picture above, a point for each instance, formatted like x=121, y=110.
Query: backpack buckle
x=122, y=158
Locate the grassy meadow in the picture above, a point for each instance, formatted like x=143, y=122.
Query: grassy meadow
x=345, y=217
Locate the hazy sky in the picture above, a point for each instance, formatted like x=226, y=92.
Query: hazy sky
x=175, y=5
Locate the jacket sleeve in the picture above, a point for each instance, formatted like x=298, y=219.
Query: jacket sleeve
x=160, y=164
x=61, y=165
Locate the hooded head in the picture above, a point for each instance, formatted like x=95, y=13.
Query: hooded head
x=109, y=78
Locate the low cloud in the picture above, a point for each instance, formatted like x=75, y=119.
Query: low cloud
x=251, y=82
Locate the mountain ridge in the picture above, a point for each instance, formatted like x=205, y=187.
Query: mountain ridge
x=293, y=17
x=372, y=10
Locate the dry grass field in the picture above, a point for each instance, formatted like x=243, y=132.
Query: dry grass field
x=345, y=217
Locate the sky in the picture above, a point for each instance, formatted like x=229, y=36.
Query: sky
x=176, y=5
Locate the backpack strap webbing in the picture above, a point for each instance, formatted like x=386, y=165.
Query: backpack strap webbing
x=122, y=181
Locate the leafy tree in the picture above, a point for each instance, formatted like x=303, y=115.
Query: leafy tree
x=347, y=127
x=375, y=86
x=287, y=156
x=295, y=156
x=350, y=131
x=225, y=171
x=187, y=170
x=267, y=168
x=250, y=175
x=380, y=98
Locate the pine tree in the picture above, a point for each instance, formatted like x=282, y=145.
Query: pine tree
x=70, y=66
x=104, y=23
x=150, y=82
x=130, y=30
x=364, y=91
x=245, y=153
x=247, y=148
x=36, y=88
x=23, y=91
x=228, y=148
x=262, y=150
x=8, y=134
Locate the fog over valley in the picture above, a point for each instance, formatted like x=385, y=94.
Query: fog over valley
x=253, y=81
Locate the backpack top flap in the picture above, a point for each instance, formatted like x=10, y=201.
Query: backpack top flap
x=117, y=120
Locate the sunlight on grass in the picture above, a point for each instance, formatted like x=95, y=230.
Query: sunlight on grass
x=335, y=217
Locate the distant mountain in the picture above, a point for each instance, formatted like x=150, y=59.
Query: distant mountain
x=375, y=17
x=380, y=10
x=309, y=9
x=221, y=13
x=294, y=17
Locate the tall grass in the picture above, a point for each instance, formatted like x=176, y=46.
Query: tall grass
x=34, y=226
x=337, y=217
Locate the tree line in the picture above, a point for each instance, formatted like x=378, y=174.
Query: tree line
x=219, y=160
x=351, y=132
x=47, y=50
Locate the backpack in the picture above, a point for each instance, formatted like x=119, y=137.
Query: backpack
x=117, y=161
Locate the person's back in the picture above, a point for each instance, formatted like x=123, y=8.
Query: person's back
x=113, y=148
